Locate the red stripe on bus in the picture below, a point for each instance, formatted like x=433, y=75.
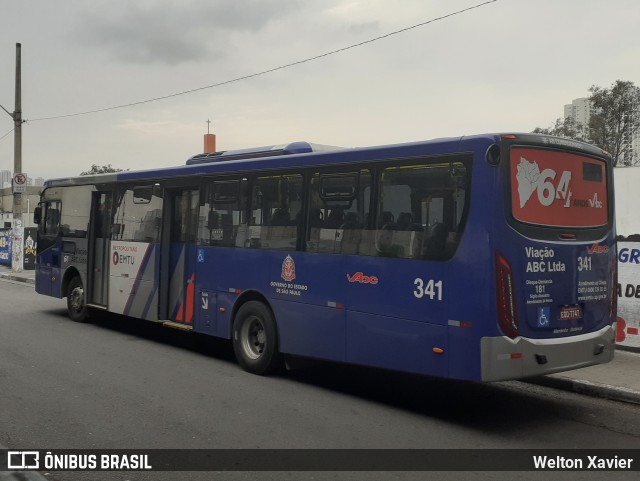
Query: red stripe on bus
x=191, y=290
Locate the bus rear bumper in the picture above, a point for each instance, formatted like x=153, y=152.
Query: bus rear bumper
x=504, y=358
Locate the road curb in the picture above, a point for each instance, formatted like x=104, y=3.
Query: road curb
x=13, y=277
x=588, y=388
x=21, y=476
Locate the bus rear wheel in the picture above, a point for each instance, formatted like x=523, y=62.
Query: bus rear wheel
x=76, y=305
x=255, y=338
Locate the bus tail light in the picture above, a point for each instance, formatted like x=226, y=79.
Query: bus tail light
x=506, y=299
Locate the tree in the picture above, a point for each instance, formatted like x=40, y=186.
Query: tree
x=565, y=127
x=104, y=169
x=613, y=123
x=615, y=120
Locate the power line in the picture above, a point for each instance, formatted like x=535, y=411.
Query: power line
x=7, y=133
x=265, y=72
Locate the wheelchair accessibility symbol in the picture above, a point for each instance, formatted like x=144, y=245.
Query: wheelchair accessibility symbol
x=544, y=314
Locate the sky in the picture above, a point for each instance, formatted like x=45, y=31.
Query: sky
x=509, y=65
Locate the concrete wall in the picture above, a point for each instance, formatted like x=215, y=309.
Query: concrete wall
x=627, y=185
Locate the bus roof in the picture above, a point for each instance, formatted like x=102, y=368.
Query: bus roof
x=267, y=151
x=305, y=154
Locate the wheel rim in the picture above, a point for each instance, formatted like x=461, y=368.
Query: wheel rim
x=76, y=299
x=253, y=337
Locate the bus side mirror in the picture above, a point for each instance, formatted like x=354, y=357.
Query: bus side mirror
x=37, y=215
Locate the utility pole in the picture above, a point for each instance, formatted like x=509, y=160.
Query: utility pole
x=18, y=228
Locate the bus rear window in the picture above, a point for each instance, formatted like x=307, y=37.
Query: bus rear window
x=558, y=189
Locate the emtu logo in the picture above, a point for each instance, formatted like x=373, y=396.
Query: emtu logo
x=23, y=460
x=122, y=259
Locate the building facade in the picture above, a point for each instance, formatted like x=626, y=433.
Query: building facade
x=581, y=109
x=6, y=177
x=29, y=202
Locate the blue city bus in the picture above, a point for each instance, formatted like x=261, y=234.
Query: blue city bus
x=487, y=257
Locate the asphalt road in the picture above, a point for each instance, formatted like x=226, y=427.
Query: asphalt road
x=127, y=384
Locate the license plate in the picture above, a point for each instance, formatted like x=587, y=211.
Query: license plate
x=570, y=313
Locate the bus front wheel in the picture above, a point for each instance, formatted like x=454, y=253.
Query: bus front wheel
x=76, y=305
x=255, y=338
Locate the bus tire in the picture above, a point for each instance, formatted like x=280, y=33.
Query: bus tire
x=255, y=338
x=76, y=305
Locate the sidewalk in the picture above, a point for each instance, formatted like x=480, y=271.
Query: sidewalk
x=618, y=380
x=28, y=276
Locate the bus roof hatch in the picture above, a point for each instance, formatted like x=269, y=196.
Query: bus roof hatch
x=266, y=151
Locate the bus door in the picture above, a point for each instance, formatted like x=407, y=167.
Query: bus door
x=99, y=235
x=178, y=254
x=48, y=249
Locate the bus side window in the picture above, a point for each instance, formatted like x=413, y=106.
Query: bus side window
x=48, y=228
x=223, y=214
x=52, y=219
x=420, y=210
x=74, y=210
x=275, y=212
x=339, y=204
x=136, y=220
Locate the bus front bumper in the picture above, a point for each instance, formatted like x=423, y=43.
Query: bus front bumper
x=504, y=358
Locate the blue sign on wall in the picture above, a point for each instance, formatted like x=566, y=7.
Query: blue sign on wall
x=5, y=246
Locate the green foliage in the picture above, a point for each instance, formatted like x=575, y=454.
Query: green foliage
x=103, y=169
x=614, y=120
x=568, y=128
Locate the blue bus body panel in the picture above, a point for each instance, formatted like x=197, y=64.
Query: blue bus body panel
x=471, y=290
x=400, y=344
x=221, y=274
x=43, y=274
x=320, y=313
x=48, y=279
x=547, y=288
